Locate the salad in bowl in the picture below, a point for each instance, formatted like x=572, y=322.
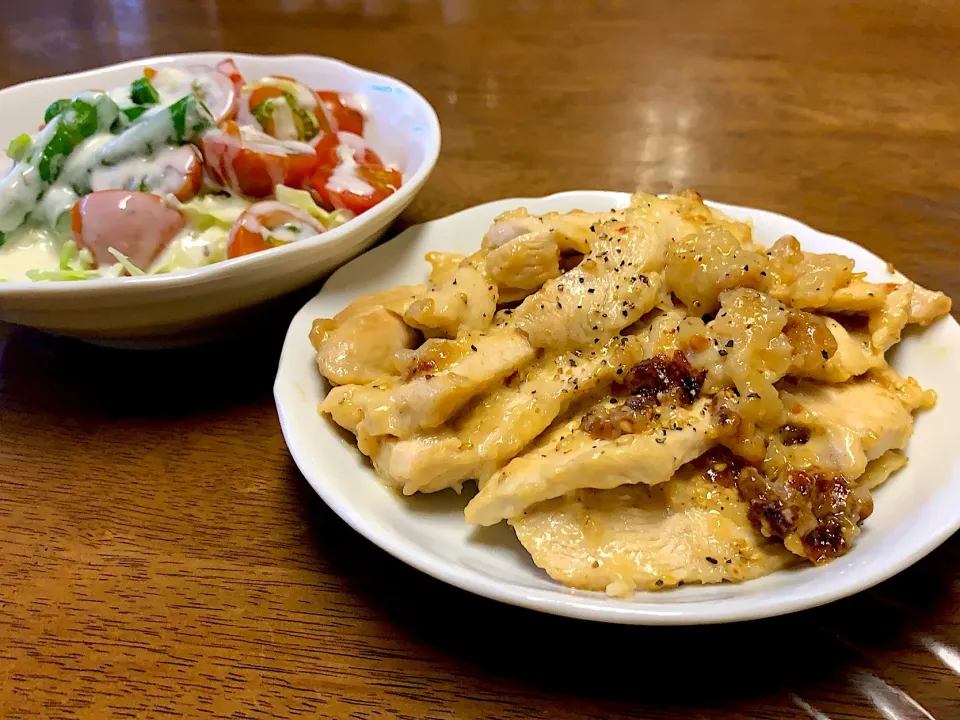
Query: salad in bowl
x=183, y=167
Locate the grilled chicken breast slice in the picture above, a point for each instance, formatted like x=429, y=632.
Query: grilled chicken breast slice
x=639, y=537
x=613, y=287
x=575, y=460
x=851, y=424
x=466, y=300
x=428, y=400
x=360, y=344
x=500, y=424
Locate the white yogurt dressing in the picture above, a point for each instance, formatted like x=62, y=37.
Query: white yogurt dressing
x=84, y=158
x=290, y=231
x=54, y=207
x=277, y=222
x=172, y=84
x=154, y=127
x=192, y=248
x=304, y=96
x=345, y=177
x=214, y=89
x=284, y=125
x=19, y=190
x=121, y=96
x=165, y=172
x=255, y=139
x=29, y=248
x=224, y=154
x=354, y=102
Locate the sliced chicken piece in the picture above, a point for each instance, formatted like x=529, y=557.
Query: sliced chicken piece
x=577, y=460
x=426, y=462
x=859, y=296
x=805, y=280
x=927, y=306
x=575, y=230
x=572, y=231
x=755, y=353
x=567, y=314
x=660, y=332
x=443, y=265
x=345, y=405
x=365, y=347
x=614, y=286
x=361, y=342
x=396, y=299
x=703, y=264
x=811, y=340
x=854, y=356
x=525, y=263
x=906, y=389
x=879, y=470
x=498, y=426
x=677, y=216
x=686, y=530
x=907, y=303
x=887, y=323
x=426, y=401
x=465, y=301
x=851, y=424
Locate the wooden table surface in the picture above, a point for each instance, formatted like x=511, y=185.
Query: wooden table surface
x=160, y=554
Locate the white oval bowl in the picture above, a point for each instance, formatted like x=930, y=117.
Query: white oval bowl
x=403, y=128
x=915, y=511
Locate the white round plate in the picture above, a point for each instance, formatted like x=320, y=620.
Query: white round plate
x=915, y=511
x=178, y=307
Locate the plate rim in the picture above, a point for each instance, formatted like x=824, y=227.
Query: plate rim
x=578, y=604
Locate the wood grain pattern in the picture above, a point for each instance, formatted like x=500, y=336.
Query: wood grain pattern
x=162, y=556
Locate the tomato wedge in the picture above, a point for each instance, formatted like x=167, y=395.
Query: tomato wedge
x=334, y=147
x=261, y=94
x=137, y=224
x=192, y=175
x=350, y=175
x=229, y=68
x=252, y=163
x=269, y=224
x=347, y=119
x=367, y=185
x=325, y=145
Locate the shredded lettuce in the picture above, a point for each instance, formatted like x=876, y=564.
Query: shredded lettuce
x=302, y=200
x=75, y=264
x=193, y=251
x=125, y=262
x=206, y=211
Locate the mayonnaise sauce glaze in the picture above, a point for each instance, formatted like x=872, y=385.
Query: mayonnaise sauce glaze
x=345, y=177
x=29, y=248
